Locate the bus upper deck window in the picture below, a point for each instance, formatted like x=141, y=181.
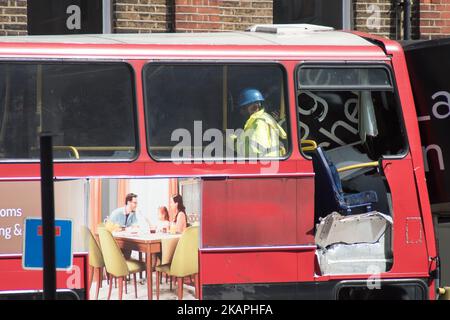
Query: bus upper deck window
x=345, y=105
x=215, y=111
x=89, y=107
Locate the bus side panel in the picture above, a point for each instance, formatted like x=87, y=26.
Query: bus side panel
x=14, y=277
x=248, y=267
x=247, y=224
x=410, y=252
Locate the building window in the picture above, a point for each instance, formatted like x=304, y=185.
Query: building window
x=336, y=14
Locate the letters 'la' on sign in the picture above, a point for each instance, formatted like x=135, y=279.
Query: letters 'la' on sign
x=32, y=257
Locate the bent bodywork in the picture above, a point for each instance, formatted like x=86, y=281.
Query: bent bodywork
x=356, y=244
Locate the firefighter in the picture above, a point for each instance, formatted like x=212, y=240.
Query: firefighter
x=262, y=134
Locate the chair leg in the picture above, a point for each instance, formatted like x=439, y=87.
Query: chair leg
x=180, y=288
x=170, y=279
x=126, y=284
x=115, y=283
x=197, y=286
x=91, y=276
x=110, y=286
x=99, y=281
x=158, y=278
x=135, y=284
x=101, y=276
x=140, y=259
x=121, y=284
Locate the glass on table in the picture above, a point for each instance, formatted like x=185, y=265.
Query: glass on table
x=173, y=228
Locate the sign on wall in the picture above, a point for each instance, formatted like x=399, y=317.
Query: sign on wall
x=57, y=17
x=428, y=66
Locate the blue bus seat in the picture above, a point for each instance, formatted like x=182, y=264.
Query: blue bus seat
x=328, y=188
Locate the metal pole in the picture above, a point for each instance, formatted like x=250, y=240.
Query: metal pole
x=48, y=216
x=407, y=20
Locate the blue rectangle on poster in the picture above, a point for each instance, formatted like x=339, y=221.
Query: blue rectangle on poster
x=32, y=257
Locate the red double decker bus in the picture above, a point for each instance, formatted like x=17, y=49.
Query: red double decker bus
x=340, y=210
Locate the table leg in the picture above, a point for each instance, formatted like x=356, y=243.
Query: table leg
x=148, y=259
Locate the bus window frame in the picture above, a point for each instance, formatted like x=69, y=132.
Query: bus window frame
x=220, y=63
x=74, y=61
x=355, y=64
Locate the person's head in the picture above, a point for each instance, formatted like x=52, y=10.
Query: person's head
x=163, y=214
x=131, y=201
x=250, y=101
x=176, y=202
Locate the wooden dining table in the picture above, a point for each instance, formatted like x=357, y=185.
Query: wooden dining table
x=148, y=243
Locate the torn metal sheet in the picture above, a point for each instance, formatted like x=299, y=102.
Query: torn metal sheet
x=361, y=258
x=359, y=228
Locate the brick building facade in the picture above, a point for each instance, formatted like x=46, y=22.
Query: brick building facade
x=429, y=19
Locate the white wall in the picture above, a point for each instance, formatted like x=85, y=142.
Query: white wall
x=70, y=202
x=152, y=193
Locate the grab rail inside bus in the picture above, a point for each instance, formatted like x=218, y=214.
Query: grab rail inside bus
x=75, y=150
x=358, y=166
x=312, y=145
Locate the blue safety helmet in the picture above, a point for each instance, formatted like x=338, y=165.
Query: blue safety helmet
x=249, y=96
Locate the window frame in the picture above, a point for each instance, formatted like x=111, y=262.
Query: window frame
x=219, y=63
x=353, y=64
x=71, y=61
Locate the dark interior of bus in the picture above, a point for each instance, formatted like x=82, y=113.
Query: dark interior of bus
x=347, y=131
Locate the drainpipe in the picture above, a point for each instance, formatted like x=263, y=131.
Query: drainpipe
x=173, y=5
x=407, y=19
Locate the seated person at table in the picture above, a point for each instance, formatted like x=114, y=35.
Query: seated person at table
x=163, y=223
x=180, y=219
x=126, y=216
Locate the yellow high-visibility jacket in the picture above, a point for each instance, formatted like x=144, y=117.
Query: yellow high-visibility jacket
x=261, y=137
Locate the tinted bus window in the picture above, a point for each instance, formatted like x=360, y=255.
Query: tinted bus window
x=351, y=106
x=89, y=108
x=206, y=111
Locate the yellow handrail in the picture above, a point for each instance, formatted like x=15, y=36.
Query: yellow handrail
x=109, y=148
x=312, y=147
x=71, y=148
x=76, y=149
x=358, y=165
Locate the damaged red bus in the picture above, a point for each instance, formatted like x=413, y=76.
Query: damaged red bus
x=341, y=213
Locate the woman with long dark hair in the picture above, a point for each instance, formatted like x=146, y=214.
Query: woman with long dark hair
x=180, y=219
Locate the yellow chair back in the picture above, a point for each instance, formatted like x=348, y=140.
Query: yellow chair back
x=185, y=258
x=95, y=254
x=115, y=262
x=111, y=226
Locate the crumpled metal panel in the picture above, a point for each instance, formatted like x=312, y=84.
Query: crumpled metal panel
x=360, y=228
x=354, y=244
x=360, y=258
